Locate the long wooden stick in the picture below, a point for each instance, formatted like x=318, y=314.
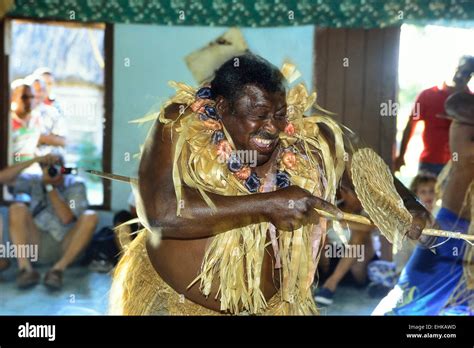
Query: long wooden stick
x=346, y=216
x=447, y=234
x=109, y=175
x=427, y=231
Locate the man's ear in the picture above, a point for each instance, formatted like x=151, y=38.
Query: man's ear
x=222, y=105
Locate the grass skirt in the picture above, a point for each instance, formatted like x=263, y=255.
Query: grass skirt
x=138, y=290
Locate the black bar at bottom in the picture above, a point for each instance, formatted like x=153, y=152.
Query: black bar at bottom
x=137, y=331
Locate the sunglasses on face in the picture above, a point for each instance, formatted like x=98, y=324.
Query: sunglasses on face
x=26, y=97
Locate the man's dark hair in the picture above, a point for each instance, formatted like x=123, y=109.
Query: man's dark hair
x=239, y=71
x=469, y=60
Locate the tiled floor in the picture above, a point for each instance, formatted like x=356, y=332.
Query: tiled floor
x=86, y=293
x=351, y=301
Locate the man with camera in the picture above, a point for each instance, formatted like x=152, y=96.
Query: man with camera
x=57, y=219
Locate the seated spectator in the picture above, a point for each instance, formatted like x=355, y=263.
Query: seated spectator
x=57, y=219
x=107, y=244
x=52, y=127
x=352, y=268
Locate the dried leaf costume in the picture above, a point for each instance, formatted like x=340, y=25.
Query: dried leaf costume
x=204, y=158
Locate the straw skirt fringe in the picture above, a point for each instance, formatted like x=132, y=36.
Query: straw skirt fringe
x=138, y=290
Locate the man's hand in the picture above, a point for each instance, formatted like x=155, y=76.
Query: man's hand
x=398, y=163
x=418, y=224
x=421, y=219
x=292, y=207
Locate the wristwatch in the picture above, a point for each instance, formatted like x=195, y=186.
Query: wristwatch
x=49, y=187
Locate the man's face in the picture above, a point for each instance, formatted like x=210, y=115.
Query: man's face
x=22, y=101
x=463, y=75
x=255, y=121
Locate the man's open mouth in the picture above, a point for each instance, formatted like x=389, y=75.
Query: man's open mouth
x=263, y=145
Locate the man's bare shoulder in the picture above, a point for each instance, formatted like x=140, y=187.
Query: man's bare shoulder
x=159, y=131
x=173, y=111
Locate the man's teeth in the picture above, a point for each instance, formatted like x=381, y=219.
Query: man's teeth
x=263, y=142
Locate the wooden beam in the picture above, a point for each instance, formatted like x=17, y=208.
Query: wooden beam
x=4, y=102
x=108, y=106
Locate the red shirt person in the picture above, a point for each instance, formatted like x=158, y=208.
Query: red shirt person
x=429, y=107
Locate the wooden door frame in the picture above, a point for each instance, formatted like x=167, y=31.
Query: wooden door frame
x=108, y=102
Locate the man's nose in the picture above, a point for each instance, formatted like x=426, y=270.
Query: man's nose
x=270, y=126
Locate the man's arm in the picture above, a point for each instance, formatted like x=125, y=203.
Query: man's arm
x=8, y=174
x=51, y=139
x=61, y=208
x=54, y=135
x=198, y=220
x=407, y=134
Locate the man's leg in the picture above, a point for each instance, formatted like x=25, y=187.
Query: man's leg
x=385, y=249
x=359, y=268
x=23, y=230
x=346, y=264
x=77, y=239
x=323, y=264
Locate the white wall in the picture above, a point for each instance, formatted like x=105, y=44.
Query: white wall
x=156, y=55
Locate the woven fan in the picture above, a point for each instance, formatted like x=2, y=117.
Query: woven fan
x=376, y=191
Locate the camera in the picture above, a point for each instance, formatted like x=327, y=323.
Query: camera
x=55, y=169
